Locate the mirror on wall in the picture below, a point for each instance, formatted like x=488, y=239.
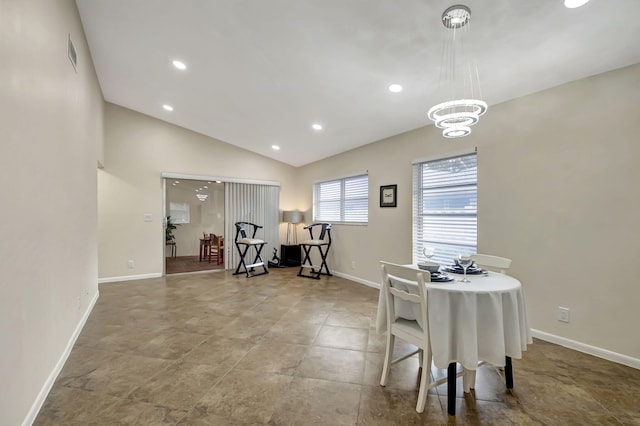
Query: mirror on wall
x=195, y=208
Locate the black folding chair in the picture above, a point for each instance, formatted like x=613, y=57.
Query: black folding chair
x=323, y=243
x=243, y=243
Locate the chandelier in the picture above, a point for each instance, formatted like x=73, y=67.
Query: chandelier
x=459, y=79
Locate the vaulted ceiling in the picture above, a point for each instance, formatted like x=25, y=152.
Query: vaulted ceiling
x=261, y=72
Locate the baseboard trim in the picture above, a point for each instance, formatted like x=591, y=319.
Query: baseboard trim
x=587, y=349
x=128, y=278
x=357, y=279
x=48, y=384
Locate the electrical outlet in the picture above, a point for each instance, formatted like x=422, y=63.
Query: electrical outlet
x=353, y=264
x=563, y=314
x=131, y=264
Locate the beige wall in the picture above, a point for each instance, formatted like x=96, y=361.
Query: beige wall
x=138, y=149
x=51, y=137
x=557, y=193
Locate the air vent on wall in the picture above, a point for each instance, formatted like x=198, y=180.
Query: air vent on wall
x=73, y=56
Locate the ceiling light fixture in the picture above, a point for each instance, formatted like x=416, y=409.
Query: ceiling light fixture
x=179, y=64
x=275, y=147
x=572, y=4
x=316, y=126
x=395, y=88
x=167, y=107
x=202, y=197
x=460, y=82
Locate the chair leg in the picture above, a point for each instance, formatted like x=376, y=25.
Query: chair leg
x=242, y=263
x=425, y=366
x=468, y=380
x=451, y=389
x=314, y=274
x=508, y=372
x=256, y=262
x=306, y=263
x=387, y=358
x=323, y=255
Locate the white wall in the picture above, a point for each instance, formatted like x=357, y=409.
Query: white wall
x=557, y=193
x=138, y=148
x=51, y=142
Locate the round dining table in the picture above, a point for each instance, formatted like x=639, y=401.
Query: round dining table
x=482, y=320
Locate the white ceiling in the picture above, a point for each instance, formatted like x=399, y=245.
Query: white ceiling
x=261, y=72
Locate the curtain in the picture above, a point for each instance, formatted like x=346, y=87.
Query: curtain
x=259, y=204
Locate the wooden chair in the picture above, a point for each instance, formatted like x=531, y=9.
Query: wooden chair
x=396, y=281
x=216, y=248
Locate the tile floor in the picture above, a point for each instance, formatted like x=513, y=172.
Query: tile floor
x=219, y=349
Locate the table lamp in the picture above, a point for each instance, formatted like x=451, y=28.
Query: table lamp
x=292, y=218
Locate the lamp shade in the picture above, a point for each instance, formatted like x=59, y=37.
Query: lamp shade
x=292, y=216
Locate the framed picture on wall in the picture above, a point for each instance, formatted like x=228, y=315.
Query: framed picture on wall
x=388, y=195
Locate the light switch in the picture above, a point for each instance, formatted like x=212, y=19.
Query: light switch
x=148, y=217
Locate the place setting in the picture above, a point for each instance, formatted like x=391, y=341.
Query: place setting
x=464, y=265
x=437, y=276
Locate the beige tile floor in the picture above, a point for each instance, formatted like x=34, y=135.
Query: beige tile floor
x=219, y=349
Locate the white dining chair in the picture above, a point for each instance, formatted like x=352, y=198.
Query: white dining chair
x=396, y=280
x=496, y=263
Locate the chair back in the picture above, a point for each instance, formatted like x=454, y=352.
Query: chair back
x=495, y=263
x=325, y=230
x=407, y=284
x=246, y=230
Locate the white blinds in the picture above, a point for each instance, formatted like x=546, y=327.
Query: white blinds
x=343, y=200
x=253, y=203
x=445, y=207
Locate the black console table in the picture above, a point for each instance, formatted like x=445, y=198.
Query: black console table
x=290, y=255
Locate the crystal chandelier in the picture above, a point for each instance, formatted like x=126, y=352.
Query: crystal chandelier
x=459, y=79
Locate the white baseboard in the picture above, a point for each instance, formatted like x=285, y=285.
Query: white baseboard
x=357, y=279
x=48, y=384
x=587, y=349
x=127, y=278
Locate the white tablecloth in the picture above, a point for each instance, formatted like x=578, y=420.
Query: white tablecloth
x=484, y=320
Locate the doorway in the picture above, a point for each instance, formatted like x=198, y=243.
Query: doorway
x=194, y=210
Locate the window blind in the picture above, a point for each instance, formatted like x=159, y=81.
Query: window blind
x=343, y=200
x=445, y=207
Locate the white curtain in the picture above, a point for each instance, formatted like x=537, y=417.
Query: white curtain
x=253, y=203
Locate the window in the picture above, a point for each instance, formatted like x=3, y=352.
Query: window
x=179, y=212
x=445, y=207
x=343, y=200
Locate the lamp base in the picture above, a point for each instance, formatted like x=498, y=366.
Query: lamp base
x=292, y=231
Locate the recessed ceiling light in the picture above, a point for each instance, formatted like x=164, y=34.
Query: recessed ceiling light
x=317, y=126
x=179, y=64
x=177, y=181
x=572, y=4
x=205, y=187
x=167, y=107
x=275, y=147
x=395, y=88
x=218, y=181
